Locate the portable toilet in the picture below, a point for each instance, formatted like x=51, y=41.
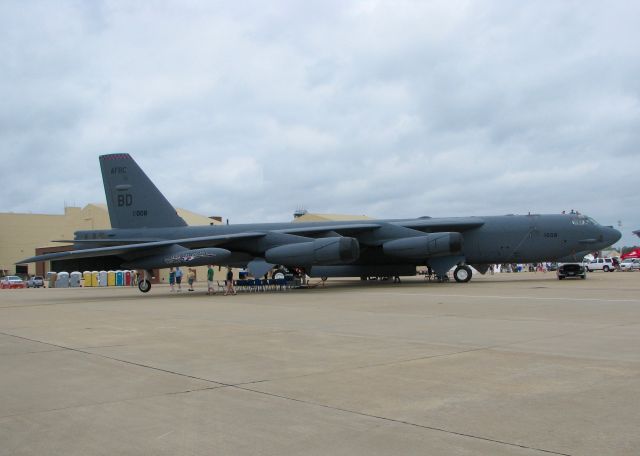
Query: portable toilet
x=127, y=278
x=102, y=279
x=111, y=278
x=52, y=279
x=86, y=275
x=62, y=281
x=134, y=278
x=74, y=279
x=94, y=278
x=119, y=278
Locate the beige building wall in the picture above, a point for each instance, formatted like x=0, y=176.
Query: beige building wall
x=21, y=234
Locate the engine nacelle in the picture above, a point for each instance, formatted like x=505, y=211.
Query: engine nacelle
x=195, y=257
x=429, y=245
x=324, y=251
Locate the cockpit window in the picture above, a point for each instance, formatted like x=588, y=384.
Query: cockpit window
x=583, y=220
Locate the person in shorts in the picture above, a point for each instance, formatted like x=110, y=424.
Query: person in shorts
x=229, y=283
x=179, y=278
x=191, y=277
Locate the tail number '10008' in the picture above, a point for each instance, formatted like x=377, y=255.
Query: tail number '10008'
x=142, y=213
x=551, y=235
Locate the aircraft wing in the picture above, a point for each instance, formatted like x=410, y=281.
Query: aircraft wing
x=341, y=229
x=441, y=224
x=204, y=241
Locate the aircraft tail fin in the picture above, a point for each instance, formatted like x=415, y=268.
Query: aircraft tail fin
x=133, y=200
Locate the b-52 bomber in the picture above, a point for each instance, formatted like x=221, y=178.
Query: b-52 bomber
x=147, y=233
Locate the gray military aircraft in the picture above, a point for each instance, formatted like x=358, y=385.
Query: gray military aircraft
x=147, y=233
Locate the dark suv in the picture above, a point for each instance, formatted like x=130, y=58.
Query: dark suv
x=571, y=270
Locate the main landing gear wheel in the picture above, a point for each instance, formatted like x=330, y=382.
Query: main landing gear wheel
x=462, y=274
x=144, y=286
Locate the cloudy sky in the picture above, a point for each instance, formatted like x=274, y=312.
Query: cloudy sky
x=386, y=108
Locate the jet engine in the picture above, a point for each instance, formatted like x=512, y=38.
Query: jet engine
x=324, y=251
x=195, y=257
x=433, y=244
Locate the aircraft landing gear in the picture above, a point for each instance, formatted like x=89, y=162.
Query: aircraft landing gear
x=144, y=285
x=462, y=273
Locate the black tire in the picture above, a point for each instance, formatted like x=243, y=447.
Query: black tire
x=144, y=286
x=583, y=276
x=605, y=268
x=462, y=274
x=560, y=277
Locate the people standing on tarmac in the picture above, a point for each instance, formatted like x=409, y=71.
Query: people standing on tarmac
x=179, y=278
x=210, y=289
x=172, y=279
x=191, y=277
x=229, y=283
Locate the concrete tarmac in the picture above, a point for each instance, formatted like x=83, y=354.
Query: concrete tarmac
x=510, y=364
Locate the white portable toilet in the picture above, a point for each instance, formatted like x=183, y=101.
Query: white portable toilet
x=62, y=281
x=74, y=279
x=102, y=278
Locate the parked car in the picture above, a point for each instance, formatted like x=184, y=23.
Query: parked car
x=630, y=264
x=35, y=282
x=601, y=264
x=575, y=270
x=11, y=282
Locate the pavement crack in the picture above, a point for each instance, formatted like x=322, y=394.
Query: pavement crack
x=132, y=363
x=403, y=422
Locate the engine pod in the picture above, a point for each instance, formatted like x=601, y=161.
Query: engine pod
x=418, y=247
x=324, y=251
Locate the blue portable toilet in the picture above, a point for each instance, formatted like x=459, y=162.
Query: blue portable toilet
x=119, y=278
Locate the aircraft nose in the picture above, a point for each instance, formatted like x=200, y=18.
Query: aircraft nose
x=611, y=235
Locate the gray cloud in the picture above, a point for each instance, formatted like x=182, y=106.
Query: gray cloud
x=391, y=109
